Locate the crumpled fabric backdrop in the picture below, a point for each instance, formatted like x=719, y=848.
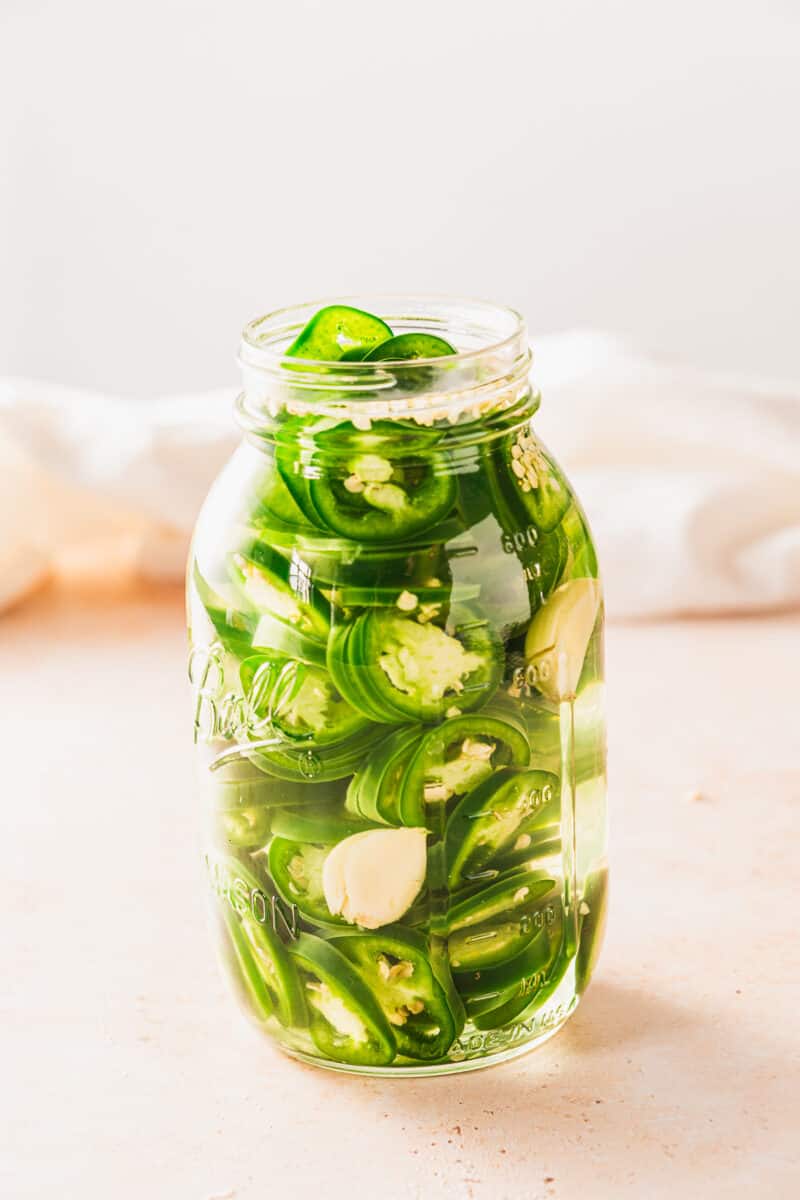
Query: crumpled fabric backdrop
x=691, y=480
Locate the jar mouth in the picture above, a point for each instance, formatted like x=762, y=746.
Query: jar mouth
x=475, y=327
x=491, y=363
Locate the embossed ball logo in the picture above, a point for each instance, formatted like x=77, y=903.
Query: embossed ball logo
x=207, y=677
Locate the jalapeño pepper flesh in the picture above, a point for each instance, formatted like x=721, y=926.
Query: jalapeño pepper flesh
x=396, y=963
x=345, y=1017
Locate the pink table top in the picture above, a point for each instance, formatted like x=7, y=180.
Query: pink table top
x=132, y=1076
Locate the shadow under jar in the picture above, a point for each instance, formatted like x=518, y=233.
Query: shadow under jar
x=396, y=632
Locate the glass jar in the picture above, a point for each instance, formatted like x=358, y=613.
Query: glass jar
x=396, y=658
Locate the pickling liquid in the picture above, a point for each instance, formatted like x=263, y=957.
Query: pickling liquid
x=402, y=760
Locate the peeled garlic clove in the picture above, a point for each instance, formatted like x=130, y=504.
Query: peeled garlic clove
x=372, y=878
x=558, y=637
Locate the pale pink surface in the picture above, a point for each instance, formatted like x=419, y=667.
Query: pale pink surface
x=131, y=1075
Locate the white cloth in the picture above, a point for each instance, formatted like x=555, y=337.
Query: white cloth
x=691, y=481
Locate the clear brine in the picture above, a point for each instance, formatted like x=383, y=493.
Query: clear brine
x=397, y=668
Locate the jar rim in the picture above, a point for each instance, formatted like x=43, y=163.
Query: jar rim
x=498, y=328
x=489, y=371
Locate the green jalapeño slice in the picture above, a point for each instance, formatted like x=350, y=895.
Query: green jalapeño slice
x=267, y=969
x=512, y=815
x=493, y=926
x=414, y=348
x=412, y=986
x=296, y=868
x=375, y=791
x=379, y=487
x=416, y=767
x=408, y=346
x=324, y=824
x=298, y=700
x=394, y=667
x=292, y=618
x=345, y=1017
x=376, y=498
x=249, y=978
x=456, y=757
x=593, y=913
x=522, y=469
x=245, y=827
x=337, y=332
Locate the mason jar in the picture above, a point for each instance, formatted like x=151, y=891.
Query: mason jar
x=396, y=656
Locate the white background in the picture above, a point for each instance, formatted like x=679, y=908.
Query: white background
x=173, y=167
